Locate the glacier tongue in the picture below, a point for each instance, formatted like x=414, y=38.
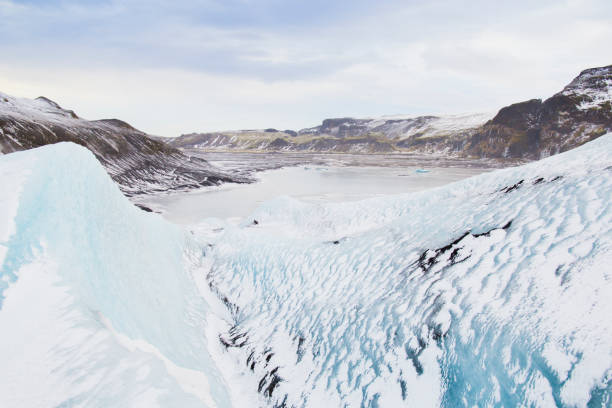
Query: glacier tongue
x=98, y=303
x=493, y=291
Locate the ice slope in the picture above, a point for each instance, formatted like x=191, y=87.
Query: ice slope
x=493, y=291
x=99, y=304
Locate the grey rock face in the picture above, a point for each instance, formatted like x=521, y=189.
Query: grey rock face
x=581, y=112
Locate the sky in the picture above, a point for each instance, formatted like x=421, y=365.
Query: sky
x=173, y=67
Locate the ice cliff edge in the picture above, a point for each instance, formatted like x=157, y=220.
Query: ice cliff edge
x=98, y=304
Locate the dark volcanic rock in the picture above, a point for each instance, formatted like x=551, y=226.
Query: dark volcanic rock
x=533, y=129
x=344, y=127
x=519, y=115
x=353, y=145
x=137, y=162
x=279, y=144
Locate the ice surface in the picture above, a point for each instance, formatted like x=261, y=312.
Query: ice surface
x=492, y=291
x=98, y=302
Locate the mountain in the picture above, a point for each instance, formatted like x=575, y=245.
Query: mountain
x=581, y=112
x=531, y=130
x=492, y=291
x=342, y=135
x=136, y=161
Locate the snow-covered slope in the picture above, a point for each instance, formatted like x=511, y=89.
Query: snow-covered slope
x=593, y=87
x=99, y=306
x=349, y=135
x=493, y=291
x=401, y=127
x=137, y=162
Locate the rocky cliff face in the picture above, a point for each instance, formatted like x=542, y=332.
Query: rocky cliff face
x=581, y=112
x=137, y=162
x=531, y=130
x=343, y=135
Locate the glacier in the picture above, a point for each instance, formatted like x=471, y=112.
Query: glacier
x=99, y=304
x=492, y=291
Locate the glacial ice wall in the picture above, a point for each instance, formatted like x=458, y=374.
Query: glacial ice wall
x=99, y=301
x=493, y=291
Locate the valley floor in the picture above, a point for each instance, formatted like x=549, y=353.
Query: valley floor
x=312, y=183
x=250, y=162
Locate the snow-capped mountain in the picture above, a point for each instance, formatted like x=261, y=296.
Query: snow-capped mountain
x=493, y=291
x=399, y=127
x=137, y=162
x=591, y=89
x=349, y=135
x=526, y=130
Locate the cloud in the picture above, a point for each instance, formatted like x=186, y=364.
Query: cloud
x=243, y=63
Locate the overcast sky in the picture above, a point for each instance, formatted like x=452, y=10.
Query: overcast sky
x=171, y=67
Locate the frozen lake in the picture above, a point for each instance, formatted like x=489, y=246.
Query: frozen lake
x=310, y=183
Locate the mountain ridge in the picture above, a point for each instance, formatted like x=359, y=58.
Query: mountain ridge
x=531, y=130
x=137, y=162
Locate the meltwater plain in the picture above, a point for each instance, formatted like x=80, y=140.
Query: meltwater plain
x=317, y=182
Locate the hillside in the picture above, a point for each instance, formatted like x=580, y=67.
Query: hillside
x=136, y=161
x=341, y=135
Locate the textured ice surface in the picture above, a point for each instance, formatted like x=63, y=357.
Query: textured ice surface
x=98, y=305
x=492, y=291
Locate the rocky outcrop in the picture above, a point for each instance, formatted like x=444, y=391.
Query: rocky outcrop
x=137, y=162
x=581, y=112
